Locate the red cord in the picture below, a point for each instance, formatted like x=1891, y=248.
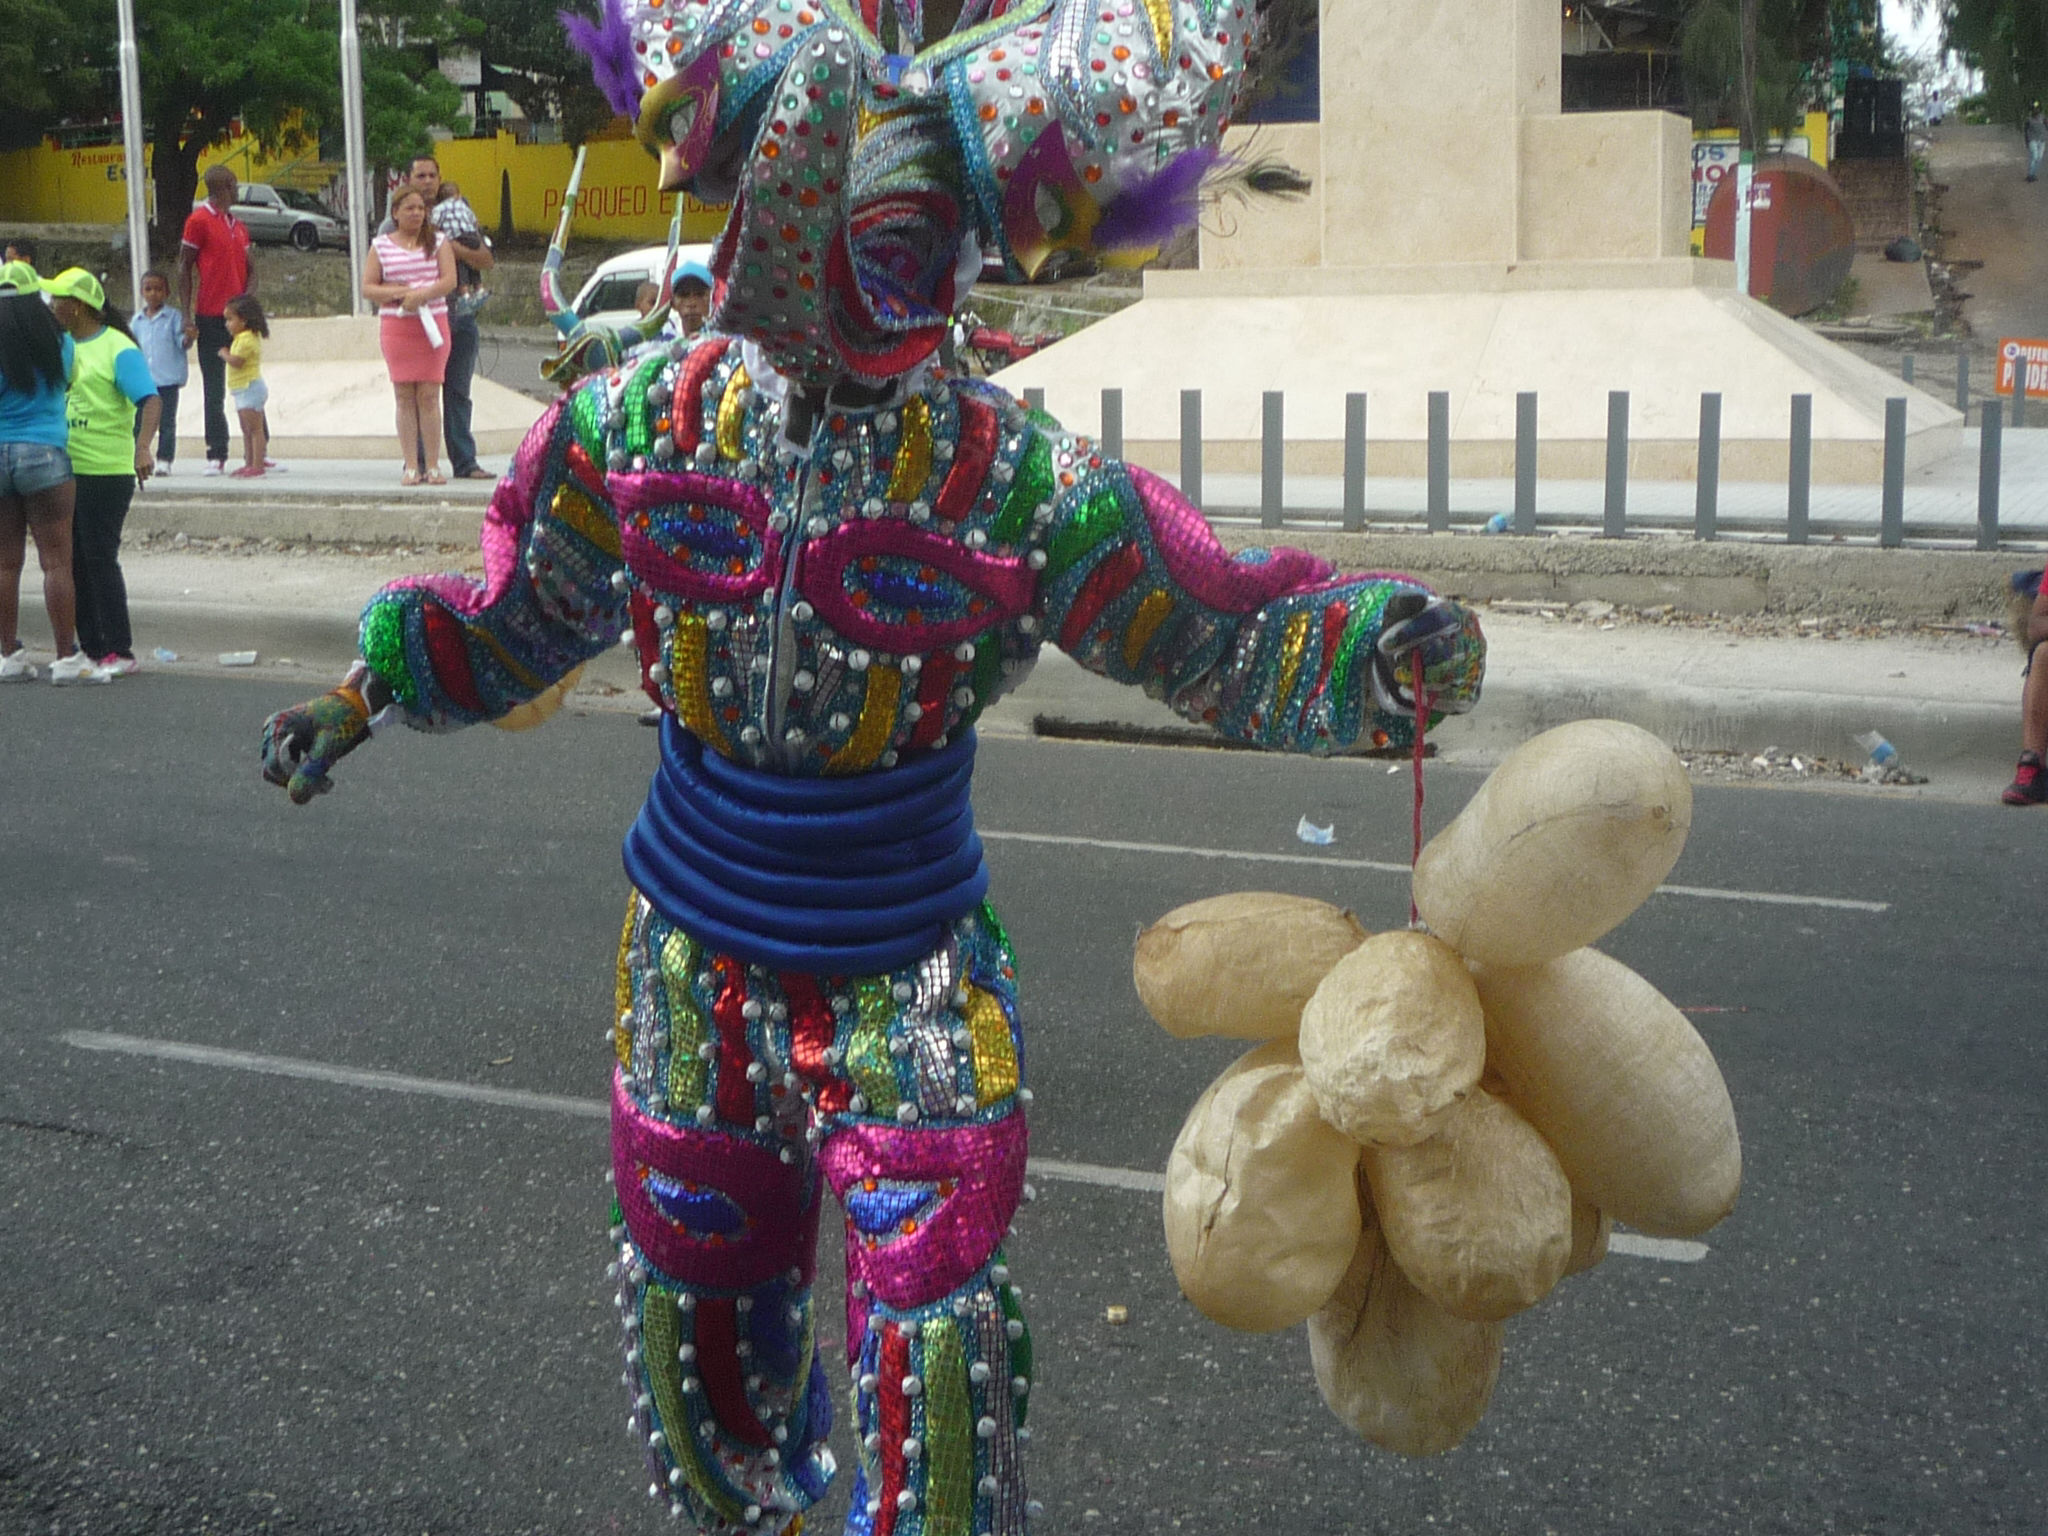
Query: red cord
x=1421, y=725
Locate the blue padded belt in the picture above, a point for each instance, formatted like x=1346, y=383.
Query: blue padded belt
x=828, y=876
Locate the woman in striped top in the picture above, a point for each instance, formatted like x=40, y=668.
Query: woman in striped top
x=410, y=272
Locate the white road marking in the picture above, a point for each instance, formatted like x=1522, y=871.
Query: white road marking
x=1135, y=1179
x=1390, y=867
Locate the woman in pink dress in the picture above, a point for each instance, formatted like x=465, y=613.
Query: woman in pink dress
x=410, y=272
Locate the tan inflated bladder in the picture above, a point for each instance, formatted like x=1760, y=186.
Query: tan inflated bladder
x=1394, y=1366
x=1621, y=1086
x=1261, y=1203
x=1568, y=836
x=1393, y=1039
x=1240, y=965
x=1479, y=1216
x=1591, y=1228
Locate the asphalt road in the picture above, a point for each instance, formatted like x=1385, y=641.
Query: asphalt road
x=238, y=1302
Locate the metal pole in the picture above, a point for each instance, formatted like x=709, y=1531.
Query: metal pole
x=1745, y=170
x=1614, y=520
x=131, y=151
x=1439, y=461
x=355, y=157
x=1987, y=478
x=1272, y=456
x=1191, y=446
x=2019, y=390
x=1707, y=494
x=1525, y=463
x=1035, y=398
x=1906, y=369
x=1799, y=480
x=1113, y=423
x=1891, y=531
x=1354, y=462
x=1963, y=380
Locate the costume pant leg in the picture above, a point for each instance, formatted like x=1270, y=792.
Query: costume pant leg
x=926, y=1151
x=715, y=1221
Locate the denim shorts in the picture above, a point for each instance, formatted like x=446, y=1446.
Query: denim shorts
x=253, y=398
x=29, y=468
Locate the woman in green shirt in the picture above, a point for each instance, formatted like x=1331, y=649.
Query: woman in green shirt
x=111, y=387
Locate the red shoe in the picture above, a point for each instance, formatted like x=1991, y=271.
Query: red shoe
x=246, y=472
x=2029, y=784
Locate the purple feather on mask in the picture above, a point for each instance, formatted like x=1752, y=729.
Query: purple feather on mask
x=1152, y=211
x=608, y=43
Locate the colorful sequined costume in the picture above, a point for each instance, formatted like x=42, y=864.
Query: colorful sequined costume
x=831, y=558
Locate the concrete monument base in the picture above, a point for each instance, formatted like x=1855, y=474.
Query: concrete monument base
x=1664, y=330
x=330, y=398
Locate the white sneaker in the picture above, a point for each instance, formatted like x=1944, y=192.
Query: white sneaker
x=163, y=468
x=78, y=668
x=216, y=466
x=17, y=668
x=116, y=665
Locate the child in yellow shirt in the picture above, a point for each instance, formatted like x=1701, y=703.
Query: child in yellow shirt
x=248, y=326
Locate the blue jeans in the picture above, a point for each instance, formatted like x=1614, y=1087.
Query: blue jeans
x=213, y=377
x=455, y=403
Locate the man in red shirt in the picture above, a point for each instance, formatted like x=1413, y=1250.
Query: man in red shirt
x=216, y=249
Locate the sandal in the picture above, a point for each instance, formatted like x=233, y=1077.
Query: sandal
x=433, y=477
x=410, y=477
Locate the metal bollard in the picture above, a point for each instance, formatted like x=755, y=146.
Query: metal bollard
x=1112, y=438
x=1906, y=369
x=1988, y=477
x=1354, y=463
x=1439, y=461
x=1525, y=463
x=1614, y=518
x=1963, y=380
x=1191, y=445
x=1035, y=398
x=1891, y=529
x=1799, y=477
x=1272, y=457
x=1707, y=487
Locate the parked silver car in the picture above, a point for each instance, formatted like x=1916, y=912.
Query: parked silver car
x=287, y=216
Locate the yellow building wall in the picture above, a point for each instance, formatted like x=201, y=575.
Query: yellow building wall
x=1716, y=147
x=49, y=185
x=617, y=200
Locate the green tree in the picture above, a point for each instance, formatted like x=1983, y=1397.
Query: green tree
x=2008, y=41
x=526, y=56
x=49, y=75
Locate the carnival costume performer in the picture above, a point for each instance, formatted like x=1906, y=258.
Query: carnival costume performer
x=832, y=557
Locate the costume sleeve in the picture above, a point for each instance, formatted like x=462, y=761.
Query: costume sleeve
x=132, y=376
x=455, y=651
x=1269, y=646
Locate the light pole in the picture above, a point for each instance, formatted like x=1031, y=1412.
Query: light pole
x=353, y=157
x=131, y=151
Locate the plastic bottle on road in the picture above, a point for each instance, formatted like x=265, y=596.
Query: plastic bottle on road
x=1882, y=753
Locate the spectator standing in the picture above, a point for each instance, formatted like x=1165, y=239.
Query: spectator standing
x=410, y=272
x=160, y=331
x=250, y=328
x=216, y=252
x=110, y=453
x=21, y=249
x=454, y=218
x=36, y=486
x=2035, y=132
x=689, y=300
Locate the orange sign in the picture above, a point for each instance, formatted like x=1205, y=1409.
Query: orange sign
x=2010, y=350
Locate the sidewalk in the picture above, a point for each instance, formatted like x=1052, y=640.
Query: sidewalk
x=1948, y=700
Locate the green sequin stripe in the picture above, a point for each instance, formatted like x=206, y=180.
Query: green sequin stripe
x=383, y=642
x=994, y=925
x=1029, y=490
x=688, y=1072
x=1041, y=420
x=1366, y=608
x=948, y=1432
x=586, y=416
x=1020, y=1347
x=1100, y=517
x=868, y=1061
x=988, y=673
x=660, y=1333
x=639, y=415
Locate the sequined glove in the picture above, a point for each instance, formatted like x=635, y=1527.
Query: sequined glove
x=1441, y=638
x=301, y=743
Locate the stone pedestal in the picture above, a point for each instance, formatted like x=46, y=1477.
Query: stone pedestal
x=1463, y=234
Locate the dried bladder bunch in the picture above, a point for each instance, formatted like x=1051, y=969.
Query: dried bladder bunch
x=1441, y=1125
